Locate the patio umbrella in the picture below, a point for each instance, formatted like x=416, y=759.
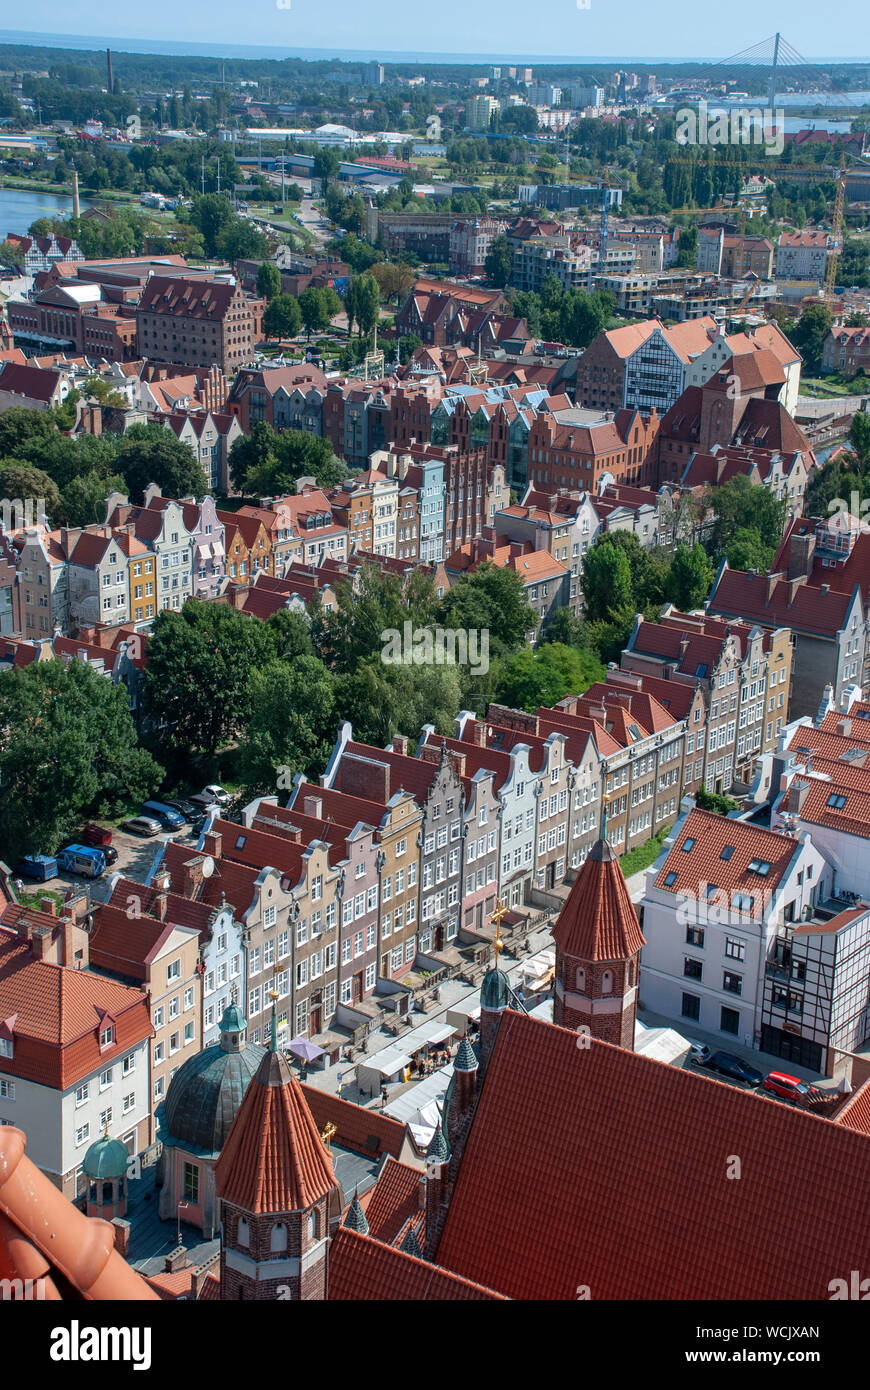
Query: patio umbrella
x=301, y=1047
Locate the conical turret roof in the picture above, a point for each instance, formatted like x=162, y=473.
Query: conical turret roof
x=274, y=1159
x=598, y=921
x=355, y=1217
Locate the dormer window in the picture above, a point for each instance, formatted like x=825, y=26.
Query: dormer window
x=7, y=1047
x=107, y=1035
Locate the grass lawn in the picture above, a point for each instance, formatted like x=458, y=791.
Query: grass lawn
x=643, y=855
x=34, y=899
x=827, y=387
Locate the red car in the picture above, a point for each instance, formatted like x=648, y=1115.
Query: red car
x=790, y=1087
x=96, y=835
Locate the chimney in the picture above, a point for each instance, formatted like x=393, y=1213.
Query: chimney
x=313, y=806
x=49, y=906
x=400, y=744
x=193, y=877
x=772, y=581
x=844, y=727
x=478, y=733
x=793, y=586
x=457, y=761
x=797, y=795
x=364, y=777
x=40, y=942
x=121, y=1229
x=212, y=844
x=159, y=906
x=800, y=556
x=175, y=1260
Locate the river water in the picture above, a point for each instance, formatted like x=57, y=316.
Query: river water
x=19, y=208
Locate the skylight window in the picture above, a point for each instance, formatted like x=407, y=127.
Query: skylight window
x=759, y=866
x=634, y=731
x=670, y=878
x=240, y=842
x=688, y=844
x=711, y=889
x=727, y=853
x=836, y=801
x=701, y=670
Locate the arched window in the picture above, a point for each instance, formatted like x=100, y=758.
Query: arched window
x=278, y=1237
x=243, y=1235
x=607, y=982
x=581, y=977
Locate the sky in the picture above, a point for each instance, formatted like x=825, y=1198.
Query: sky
x=639, y=29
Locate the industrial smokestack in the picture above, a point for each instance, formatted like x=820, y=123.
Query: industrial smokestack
x=111, y=86
x=76, y=208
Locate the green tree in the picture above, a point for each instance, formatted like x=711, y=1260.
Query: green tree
x=492, y=600
x=283, y=317
x=859, y=437
x=606, y=583
x=19, y=481
x=691, y=576
x=200, y=663
x=746, y=551
x=83, y=500
x=381, y=700
x=268, y=280
x=809, y=336
x=541, y=677
x=18, y=427
x=152, y=454
x=68, y=749
x=740, y=504
x=267, y=462
x=498, y=261
x=291, y=634
x=290, y=726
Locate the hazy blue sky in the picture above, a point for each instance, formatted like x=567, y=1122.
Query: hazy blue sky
x=508, y=27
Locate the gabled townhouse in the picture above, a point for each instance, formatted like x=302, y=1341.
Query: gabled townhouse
x=207, y=532
x=262, y=902
x=642, y=366
x=74, y=1045
x=421, y=469
x=583, y=449
x=356, y=418
x=408, y=524
x=818, y=587
x=515, y=783
x=354, y=851
x=210, y=438
x=846, y=350
x=368, y=505
x=744, y=674
x=221, y=945
x=685, y=701
x=480, y=833
x=32, y=388
x=247, y=543
x=43, y=252
x=718, y=904
x=264, y=394
x=764, y=338
x=44, y=582
x=145, y=948
x=397, y=820
x=640, y=751
x=98, y=576
x=784, y=475
x=166, y=534
x=438, y=792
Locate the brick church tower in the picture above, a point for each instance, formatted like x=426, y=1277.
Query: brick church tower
x=598, y=941
x=278, y=1192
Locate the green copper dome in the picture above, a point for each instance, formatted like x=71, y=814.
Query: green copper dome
x=205, y=1094
x=106, y=1158
x=495, y=992
x=233, y=1020
x=465, y=1059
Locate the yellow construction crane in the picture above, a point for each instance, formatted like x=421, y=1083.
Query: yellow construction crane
x=836, y=235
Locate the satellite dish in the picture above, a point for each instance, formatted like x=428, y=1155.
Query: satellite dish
x=207, y=866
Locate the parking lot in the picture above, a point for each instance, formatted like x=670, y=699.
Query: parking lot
x=135, y=857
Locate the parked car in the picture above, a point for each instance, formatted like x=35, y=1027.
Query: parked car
x=699, y=1053
x=205, y=802
x=726, y=1064
x=217, y=793
x=790, y=1087
x=110, y=854
x=142, y=825
x=84, y=860
x=98, y=835
x=167, y=816
x=184, y=807
x=38, y=866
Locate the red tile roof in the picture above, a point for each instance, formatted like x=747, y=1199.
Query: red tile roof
x=598, y=921
x=58, y=1017
x=702, y=863
x=365, y=1131
x=274, y=1159
x=361, y=1268
x=605, y=1170
x=394, y=1200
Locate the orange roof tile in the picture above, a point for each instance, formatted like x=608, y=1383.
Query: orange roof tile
x=598, y=921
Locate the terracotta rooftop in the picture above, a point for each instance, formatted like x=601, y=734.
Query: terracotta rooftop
x=598, y=921
x=616, y=1182
x=716, y=851
x=363, y=1268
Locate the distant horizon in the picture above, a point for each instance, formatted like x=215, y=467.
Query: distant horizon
x=230, y=49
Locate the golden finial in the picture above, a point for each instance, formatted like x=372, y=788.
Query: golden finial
x=501, y=910
x=327, y=1134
